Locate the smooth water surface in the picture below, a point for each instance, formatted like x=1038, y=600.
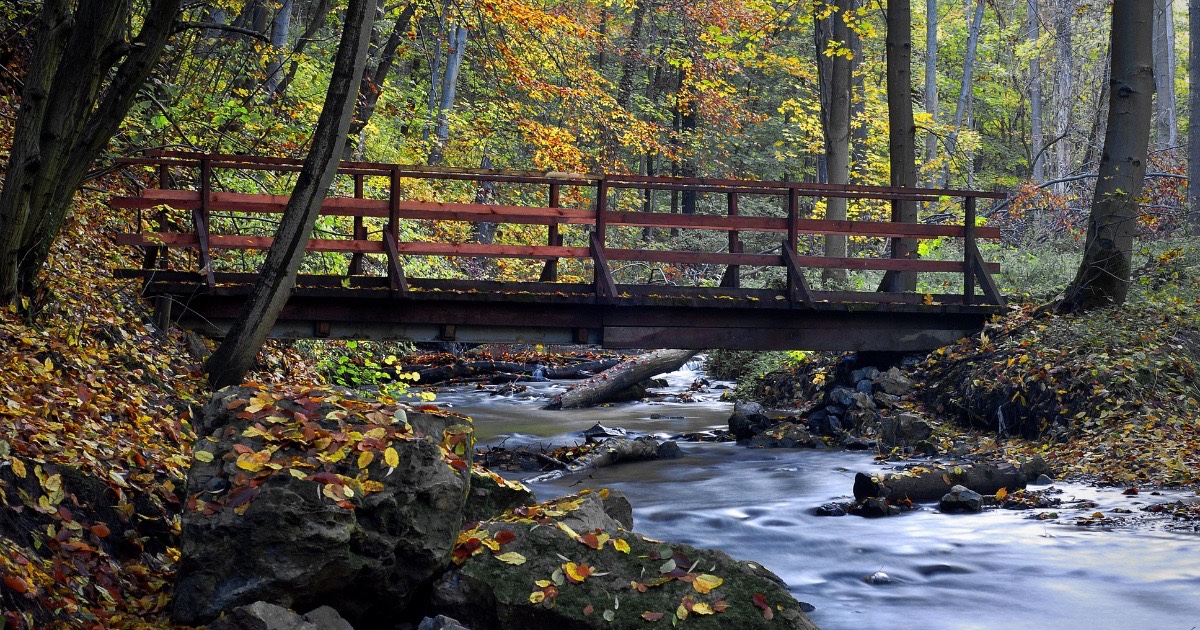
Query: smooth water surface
x=993, y=570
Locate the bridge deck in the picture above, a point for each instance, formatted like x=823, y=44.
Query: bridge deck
x=209, y=296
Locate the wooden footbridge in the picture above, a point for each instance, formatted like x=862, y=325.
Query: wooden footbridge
x=197, y=244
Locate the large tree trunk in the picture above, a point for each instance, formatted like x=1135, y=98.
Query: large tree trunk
x=902, y=135
x=1037, y=140
x=1194, y=116
x=316, y=22
x=1064, y=89
x=1166, y=123
x=624, y=375
x=229, y=364
x=931, y=93
x=858, y=101
x=280, y=28
x=67, y=116
x=835, y=120
x=966, y=89
x=930, y=484
x=1103, y=276
x=458, y=48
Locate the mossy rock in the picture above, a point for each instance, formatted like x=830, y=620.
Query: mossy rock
x=530, y=571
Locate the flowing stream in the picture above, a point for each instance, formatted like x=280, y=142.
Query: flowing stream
x=999, y=569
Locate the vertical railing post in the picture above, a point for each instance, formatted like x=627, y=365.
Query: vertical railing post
x=601, y=208
x=793, y=234
x=969, y=249
x=200, y=220
x=554, y=238
x=356, y=259
x=732, y=277
x=601, y=274
x=391, y=236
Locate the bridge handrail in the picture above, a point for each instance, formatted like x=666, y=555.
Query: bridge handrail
x=204, y=201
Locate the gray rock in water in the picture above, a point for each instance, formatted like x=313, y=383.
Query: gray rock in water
x=783, y=435
x=669, y=450
x=440, y=622
x=878, y=577
x=599, y=433
x=904, y=429
x=961, y=499
x=618, y=508
x=824, y=424
x=858, y=444
x=873, y=507
x=287, y=539
x=265, y=616
x=831, y=509
x=1042, y=480
x=748, y=419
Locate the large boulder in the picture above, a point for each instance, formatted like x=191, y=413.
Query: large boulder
x=536, y=570
x=961, y=499
x=747, y=420
x=492, y=495
x=783, y=435
x=306, y=498
x=903, y=429
x=264, y=616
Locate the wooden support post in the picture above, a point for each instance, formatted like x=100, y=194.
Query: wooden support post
x=162, y=313
x=391, y=237
x=606, y=288
x=550, y=270
x=968, y=246
x=200, y=221
x=156, y=257
x=732, y=278
x=797, y=286
x=356, y=259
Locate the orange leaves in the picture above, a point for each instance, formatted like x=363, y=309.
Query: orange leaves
x=16, y=583
x=761, y=602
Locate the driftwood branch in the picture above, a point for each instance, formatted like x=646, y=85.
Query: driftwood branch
x=606, y=385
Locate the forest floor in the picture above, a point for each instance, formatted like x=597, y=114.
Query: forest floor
x=87, y=383
x=1110, y=396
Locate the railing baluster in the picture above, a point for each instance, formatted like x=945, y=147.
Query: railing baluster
x=732, y=277
x=968, y=249
x=200, y=219
x=554, y=239
x=356, y=259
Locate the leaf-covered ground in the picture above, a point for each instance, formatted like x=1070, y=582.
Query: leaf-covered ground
x=1111, y=395
x=87, y=383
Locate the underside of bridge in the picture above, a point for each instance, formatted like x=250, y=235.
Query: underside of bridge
x=638, y=317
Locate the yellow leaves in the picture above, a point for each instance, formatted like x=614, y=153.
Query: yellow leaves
x=391, y=457
x=620, y=545
x=18, y=467
x=1001, y=494
x=701, y=608
x=298, y=474
x=705, y=583
x=365, y=458
x=537, y=597
x=576, y=573
x=253, y=462
x=512, y=557
x=261, y=400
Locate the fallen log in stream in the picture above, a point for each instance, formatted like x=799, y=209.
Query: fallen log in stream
x=925, y=484
x=610, y=383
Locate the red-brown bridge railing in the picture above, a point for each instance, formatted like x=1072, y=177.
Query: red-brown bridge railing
x=203, y=200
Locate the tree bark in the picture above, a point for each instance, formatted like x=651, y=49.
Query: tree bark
x=68, y=114
x=316, y=21
x=1037, y=168
x=966, y=89
x=1103, y=276
x=931, y=93
x=280, y=28
x=902, y=134
x=835, y=120
x=1166, y=123
x=1064, y=87
x=229, y=364
x=624, y=375
x=858, y=100
x=1194, y=116
x=609, y=452
x=458, y=47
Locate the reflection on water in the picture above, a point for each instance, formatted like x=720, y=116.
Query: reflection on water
x=992, y=570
